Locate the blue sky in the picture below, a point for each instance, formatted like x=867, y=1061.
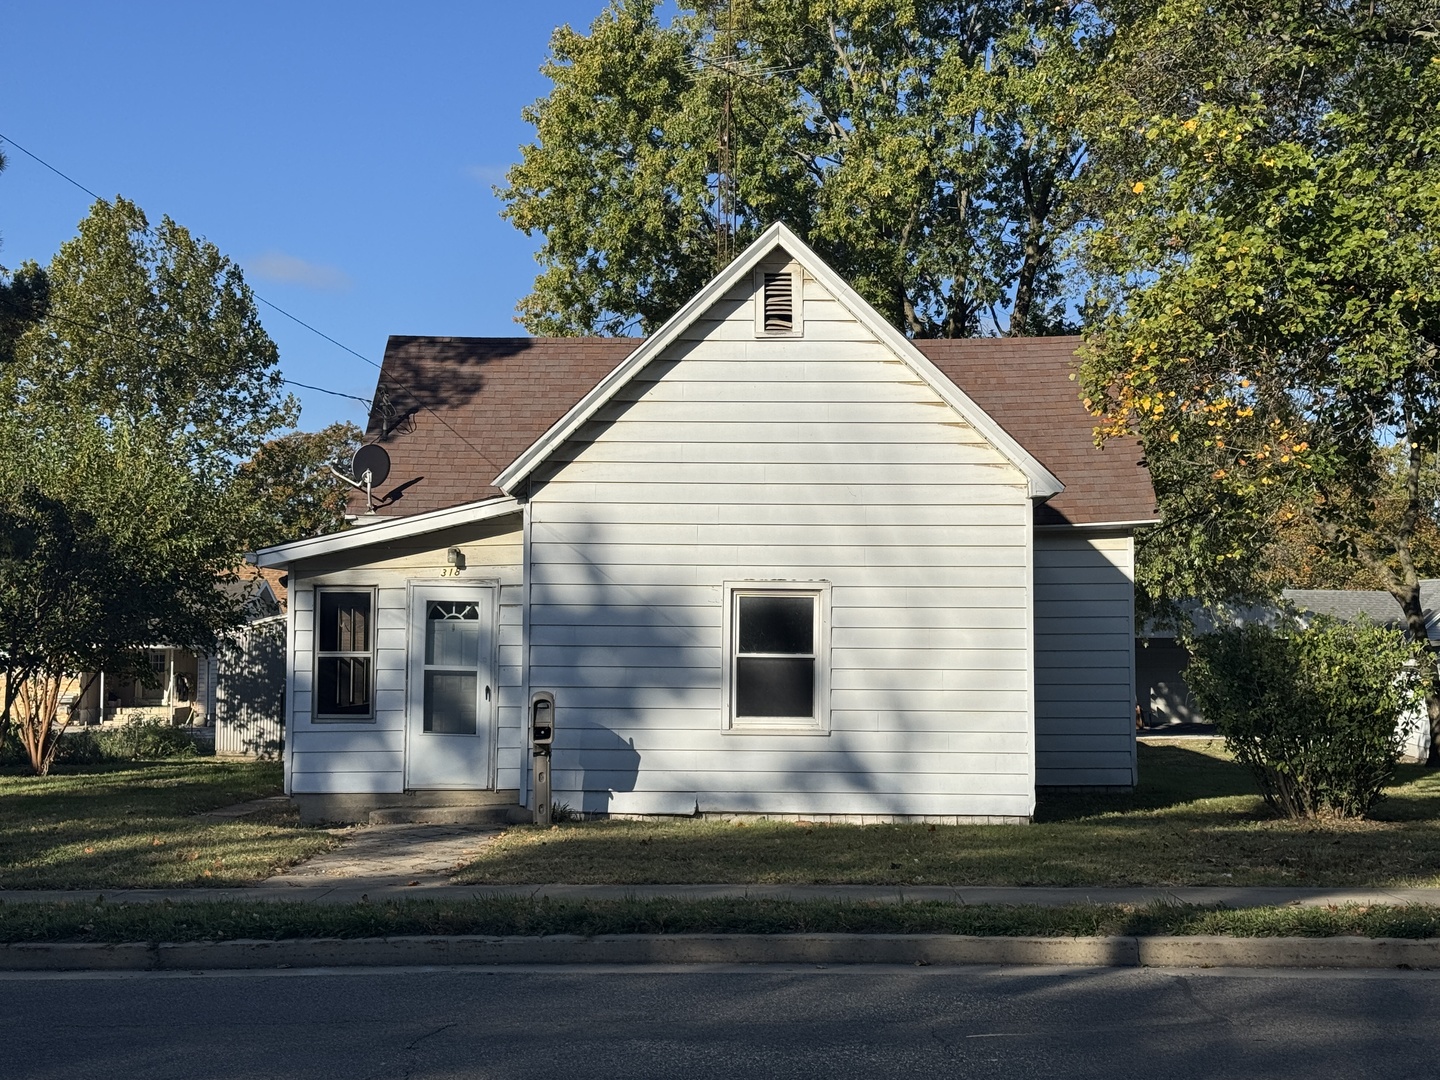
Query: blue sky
x=343, y=154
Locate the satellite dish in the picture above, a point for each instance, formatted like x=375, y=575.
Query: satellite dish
x=370, y=466
x=373, y=459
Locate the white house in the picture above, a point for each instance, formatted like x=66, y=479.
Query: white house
x=775, y=559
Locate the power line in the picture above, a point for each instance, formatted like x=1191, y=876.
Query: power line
x=52, y=168
x=386, y=375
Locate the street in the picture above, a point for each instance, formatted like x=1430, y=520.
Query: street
x=721, y=1022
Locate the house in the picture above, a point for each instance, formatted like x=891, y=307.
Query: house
x=1161, y=657
x=775, y=559
x=239, y=688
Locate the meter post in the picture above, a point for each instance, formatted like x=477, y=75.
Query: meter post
x=542, y=735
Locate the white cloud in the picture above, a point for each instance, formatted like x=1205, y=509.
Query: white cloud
x=292, y=270
x=487, y=174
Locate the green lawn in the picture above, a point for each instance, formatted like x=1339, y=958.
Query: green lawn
x=135, y=825
x=505, y=916
x=1195, y=820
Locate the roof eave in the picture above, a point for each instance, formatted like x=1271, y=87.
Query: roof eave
x=382, y=531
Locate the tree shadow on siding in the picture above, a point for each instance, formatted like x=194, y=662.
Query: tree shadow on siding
x=250, y=692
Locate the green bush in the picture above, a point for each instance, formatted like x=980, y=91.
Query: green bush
x=145, y=739
x=1311, y=710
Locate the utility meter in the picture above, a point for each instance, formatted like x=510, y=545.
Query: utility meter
x=542, y=718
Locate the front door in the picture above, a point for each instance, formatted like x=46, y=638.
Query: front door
x=450, y=704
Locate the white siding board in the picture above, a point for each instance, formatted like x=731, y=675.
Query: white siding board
x=814, y=458
x=1084, y=647
x=362, y=782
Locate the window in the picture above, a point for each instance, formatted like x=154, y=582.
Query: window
x=344, y=654
x=778, y=303
x=777, y=668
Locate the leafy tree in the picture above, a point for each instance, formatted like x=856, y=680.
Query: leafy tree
x=23, y=299
x=926, y=149
x=288, y=490
x=1268, y=310
x=130, y=403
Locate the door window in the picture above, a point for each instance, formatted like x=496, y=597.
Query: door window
x=452, y=662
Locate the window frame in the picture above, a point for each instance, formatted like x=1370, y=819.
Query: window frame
x=819, y=722
x=797, y=303
x=317, y=655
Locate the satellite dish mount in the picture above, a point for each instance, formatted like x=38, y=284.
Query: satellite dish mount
x=371, y=465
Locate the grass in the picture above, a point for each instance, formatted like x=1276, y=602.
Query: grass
x=522, y=916
x=1196, y=819
x=134, y=825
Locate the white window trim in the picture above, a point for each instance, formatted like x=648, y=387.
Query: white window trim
x=797, y=302
x=819, y=724
x=316, y=716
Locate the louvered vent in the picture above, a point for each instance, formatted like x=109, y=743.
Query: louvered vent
x=779, y=304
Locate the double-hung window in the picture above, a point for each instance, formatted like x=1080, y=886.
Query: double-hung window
x=344, y=654
x=777, y=664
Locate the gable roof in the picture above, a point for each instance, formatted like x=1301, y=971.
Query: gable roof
x=458, y=414
x=1041, y=482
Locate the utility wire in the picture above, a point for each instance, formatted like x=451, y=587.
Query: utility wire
x=52, y=168
x=384, y=374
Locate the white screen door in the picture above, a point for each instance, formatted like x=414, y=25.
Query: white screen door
x=450, y=705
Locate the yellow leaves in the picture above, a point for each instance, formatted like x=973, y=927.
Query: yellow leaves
x=1138, y=187
x=1174, y=436
x=1300, y=447
x=1191, y=124
x=1247, y=411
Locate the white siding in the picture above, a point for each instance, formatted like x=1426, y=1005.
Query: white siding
x=1084, y=659
x=817, y=459
x=368, y=757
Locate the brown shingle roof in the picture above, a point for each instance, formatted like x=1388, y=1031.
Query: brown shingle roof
x=1024, y=384
x=461, y=409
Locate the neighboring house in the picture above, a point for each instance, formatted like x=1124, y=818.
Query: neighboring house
x=1161, y=659
x=775, y=559
x=240, y=688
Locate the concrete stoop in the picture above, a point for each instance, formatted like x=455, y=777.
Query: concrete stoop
x=450, y=815
x=413, y=808
x=806, y=949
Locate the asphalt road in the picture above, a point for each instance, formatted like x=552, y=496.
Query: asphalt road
x=700, y=1023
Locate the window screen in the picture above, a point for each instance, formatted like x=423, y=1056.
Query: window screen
x=345, y=664
x=774, y=673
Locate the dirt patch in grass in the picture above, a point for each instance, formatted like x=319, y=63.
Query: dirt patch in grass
x=103, y=827
x=1195, y=820
x=520, y=916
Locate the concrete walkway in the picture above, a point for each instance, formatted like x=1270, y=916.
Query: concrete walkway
x=387, y=856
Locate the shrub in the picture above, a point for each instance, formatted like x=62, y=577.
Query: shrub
x=145, y=739
x=1311, y=710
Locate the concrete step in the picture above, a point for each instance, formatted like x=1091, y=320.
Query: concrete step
x=500, y=814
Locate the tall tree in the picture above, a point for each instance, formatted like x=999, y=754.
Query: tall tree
x=1268, y=315
x=925, y=148
x=129, y=405
x=287, y=490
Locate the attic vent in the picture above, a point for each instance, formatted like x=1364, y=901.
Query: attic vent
x=779, y=304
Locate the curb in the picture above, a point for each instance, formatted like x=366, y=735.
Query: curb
x=825, y=949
